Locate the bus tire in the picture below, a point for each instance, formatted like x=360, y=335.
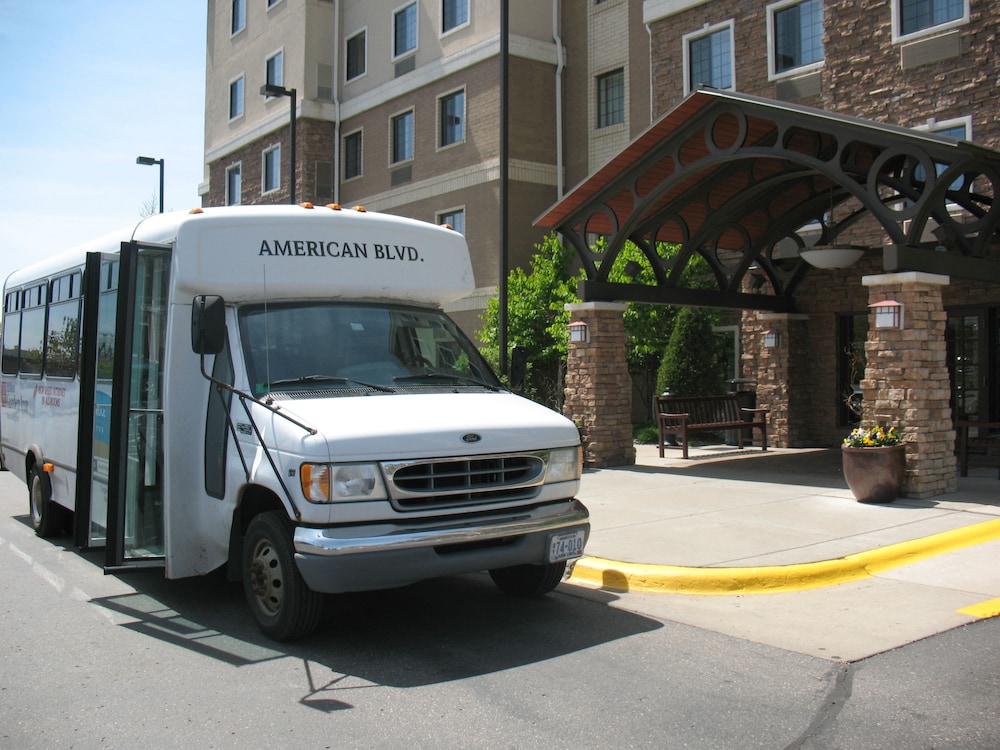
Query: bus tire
x=528, y=580
x=283, y=607
x=48, y=518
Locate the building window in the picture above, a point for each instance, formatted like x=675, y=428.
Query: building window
x=611, y=98
x=324, y=181
x=402, y=137
x=917, y=15
x=454, y=13
x=961, y=129
x=709, y=58
x=234, y=185
x=239, y=16
x=352, y=155
x=796, y=31
x=455, y=218
x=356, y=56
x=452, y=113
x=236, y=98
x=275, y=69
x=272, y=3
x=404, y=30
x=272, y=169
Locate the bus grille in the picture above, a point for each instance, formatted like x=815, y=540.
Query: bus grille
x=417, y=485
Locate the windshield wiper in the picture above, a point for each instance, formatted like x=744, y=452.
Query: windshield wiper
x=306, y=379
x=450, y=377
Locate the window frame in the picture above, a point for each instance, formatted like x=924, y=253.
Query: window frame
x=359, y=133
x=441, y=217
x=772, y=41
x=241, y=80
x=236, y=167
x=602, y=100
x=278, y=55
x=411, y=114
x=708, y=31
x=274, y=148
x=897, y=23
x=461, y=24
x=441, y=100
x=363, y=33
x=233, y=29
x=416, y=31
x=939, y=128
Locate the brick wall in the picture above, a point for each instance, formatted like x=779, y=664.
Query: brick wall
x=598, y=386
x=906, y=382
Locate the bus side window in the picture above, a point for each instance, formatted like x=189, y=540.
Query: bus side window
x=217, y=425
x=11, y=333
x=33, y=331
x=62, y=337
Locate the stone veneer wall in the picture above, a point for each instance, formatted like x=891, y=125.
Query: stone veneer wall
x=598, y=386
x=907, y=377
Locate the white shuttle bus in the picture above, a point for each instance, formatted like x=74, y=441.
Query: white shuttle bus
x=275, y=389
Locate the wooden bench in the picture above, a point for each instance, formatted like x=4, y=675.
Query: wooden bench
x=986, y=442
x=683, y=416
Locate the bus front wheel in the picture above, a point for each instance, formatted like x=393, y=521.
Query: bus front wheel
x=48, y=518
x=283, y=607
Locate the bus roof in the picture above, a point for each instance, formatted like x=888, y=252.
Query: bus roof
x=282, y=251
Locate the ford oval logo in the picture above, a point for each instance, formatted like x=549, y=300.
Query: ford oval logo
x=471, y=437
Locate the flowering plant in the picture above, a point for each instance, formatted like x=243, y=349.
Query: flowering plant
x=879, y=436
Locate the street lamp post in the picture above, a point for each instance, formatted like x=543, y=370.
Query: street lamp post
x=149, y=161
x=269, y=90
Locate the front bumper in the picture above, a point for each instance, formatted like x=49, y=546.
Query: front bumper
x=362, y=558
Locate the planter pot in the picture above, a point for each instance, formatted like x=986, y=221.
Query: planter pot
x=875, y=475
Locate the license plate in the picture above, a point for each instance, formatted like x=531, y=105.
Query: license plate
x=566, y=545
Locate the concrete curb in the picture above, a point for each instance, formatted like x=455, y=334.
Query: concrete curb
x=668, y=579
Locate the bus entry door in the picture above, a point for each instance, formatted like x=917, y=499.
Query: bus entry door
x=125, y=349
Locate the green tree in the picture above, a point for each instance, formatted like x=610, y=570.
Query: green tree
x=648, y=327
x=537, y=319
x=690, y=364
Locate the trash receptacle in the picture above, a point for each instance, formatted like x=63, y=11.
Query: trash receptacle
x=746, y=396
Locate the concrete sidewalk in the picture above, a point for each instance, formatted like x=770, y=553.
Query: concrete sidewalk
x=772, y=548
x=750, y=521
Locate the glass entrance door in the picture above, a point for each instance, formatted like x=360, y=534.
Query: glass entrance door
x=966, y=332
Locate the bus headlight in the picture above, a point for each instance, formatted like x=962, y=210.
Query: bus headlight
x=564, y=465
x=336, y=483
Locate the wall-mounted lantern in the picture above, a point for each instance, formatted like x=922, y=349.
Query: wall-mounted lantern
x=772, y=339
x=888, y=314
x=579, y=332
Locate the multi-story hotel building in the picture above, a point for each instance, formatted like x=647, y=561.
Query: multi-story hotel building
x=398, y=109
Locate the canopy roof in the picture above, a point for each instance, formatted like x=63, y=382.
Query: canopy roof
x=747, y=182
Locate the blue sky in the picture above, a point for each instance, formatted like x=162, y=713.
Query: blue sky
x=87, y=86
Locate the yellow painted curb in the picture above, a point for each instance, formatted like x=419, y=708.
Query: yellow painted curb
x=669, y=579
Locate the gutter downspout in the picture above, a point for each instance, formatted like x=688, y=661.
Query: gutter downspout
x=649, y=33
x=560, y=64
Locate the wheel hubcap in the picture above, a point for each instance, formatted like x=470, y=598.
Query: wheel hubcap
x=266, y=578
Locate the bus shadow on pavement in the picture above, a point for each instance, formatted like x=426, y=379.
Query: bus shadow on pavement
x=426, y=633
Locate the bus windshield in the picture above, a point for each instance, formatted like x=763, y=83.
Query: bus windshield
x=339, y=346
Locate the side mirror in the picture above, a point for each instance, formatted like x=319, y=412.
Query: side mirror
x=518, y=367
x=208, y=324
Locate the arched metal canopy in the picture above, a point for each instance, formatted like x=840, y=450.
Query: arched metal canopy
x=746, y=182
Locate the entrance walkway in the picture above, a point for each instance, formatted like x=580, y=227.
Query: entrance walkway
x=749, y=533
